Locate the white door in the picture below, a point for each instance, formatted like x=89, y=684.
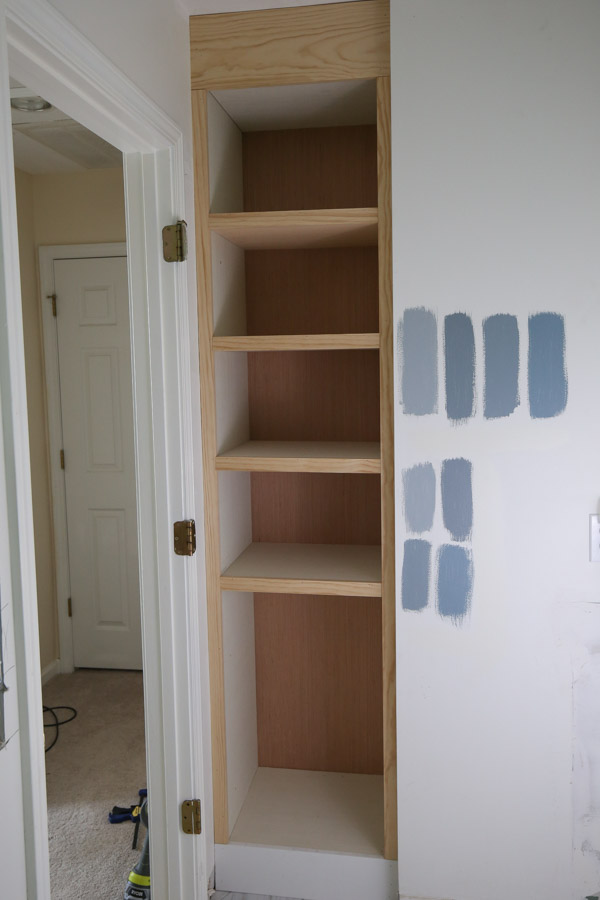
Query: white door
x=97, y=417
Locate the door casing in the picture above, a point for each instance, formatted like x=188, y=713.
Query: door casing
x=51, y=57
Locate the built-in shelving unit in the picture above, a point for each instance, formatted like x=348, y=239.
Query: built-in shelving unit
x=293, y=225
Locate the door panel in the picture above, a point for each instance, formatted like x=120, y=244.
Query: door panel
x=97, y=416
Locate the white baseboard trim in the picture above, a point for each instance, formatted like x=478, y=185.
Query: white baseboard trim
x=309, y=874
x=50, y=671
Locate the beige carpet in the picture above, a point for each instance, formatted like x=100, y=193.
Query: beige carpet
x=97, y=763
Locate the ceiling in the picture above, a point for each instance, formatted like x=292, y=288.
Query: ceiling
x=49, y=141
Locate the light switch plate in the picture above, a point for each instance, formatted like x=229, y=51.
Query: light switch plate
x=594, y=538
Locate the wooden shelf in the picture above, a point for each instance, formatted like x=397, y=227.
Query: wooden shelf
x=302, y=456
x=331, y=811
x=304, y=228
x=327, y=569
x=275, y=342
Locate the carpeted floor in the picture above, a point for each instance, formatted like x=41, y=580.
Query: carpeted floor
x=98, y=762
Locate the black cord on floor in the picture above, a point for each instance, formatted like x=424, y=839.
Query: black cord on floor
x=57, y=722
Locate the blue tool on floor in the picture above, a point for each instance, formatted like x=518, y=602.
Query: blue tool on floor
x=129, y=814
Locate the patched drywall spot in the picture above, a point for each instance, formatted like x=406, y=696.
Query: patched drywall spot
x=419, y=361
x=457, y=498
x=547, y=370
x=419, y=497
x=501, y=355
x=415, y=574
x=454, y=581
x=459, y=355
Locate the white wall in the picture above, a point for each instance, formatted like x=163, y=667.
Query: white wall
x=496, y=193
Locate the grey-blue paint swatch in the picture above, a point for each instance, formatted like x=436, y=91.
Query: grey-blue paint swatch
x=547, y=372
x=455, y=581
x=459, y=351
x=501, y=344
x=415, y=574
x=419, y=362
x=419, y=497
x=457, y=498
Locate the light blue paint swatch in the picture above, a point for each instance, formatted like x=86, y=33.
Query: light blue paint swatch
x=455, y=581
x=419, y=362
x=457, y=498
x=459, y=351
x=547, y=372
x=501, y=342
x=415, y=574
x=419, y=497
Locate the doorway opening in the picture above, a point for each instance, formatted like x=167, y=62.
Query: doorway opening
x=73, y=261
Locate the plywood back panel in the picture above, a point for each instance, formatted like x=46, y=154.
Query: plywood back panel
x=307, y=44
x=302, y=508
x=312, y=291
x=310, y=168
x=318, y=683
x=314, y=395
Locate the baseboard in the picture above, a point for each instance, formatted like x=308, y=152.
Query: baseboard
x=50, y=671
x=310, y=874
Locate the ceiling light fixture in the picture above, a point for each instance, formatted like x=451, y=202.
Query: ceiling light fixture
x=30, y=104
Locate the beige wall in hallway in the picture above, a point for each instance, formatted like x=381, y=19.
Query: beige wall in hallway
x=77, y=208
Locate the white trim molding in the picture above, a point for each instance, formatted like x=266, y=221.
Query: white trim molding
x=49, y=55
x=310, y=874
x=50, y=671
x=53, y=58
x=47, y=256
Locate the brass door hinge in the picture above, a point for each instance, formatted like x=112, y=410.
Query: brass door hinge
x=70, y=608
x=53, y=298
x=62, y=459
x=184, y=537
x=191, y=817
x=175, y=242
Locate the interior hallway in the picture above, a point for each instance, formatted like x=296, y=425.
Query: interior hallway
x=98, y=762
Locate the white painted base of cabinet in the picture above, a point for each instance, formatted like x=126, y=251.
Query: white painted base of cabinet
x=306, y=874
x=335, y=812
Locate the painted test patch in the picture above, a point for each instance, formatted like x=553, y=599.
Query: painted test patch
x=419, y=352
x=419, y=497
x=459, y=355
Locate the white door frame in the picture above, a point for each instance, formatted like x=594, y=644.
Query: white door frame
x=47, y=256
x=53, y=58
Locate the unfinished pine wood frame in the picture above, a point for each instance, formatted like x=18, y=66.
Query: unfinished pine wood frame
x=296, y=366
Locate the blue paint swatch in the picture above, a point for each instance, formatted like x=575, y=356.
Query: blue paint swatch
x=419, y=497
x=415, y=574
x=459, y=350
x=547, y=372
x=457, y=498
x=419, y=362
x=501, y=342
x=455, y=581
